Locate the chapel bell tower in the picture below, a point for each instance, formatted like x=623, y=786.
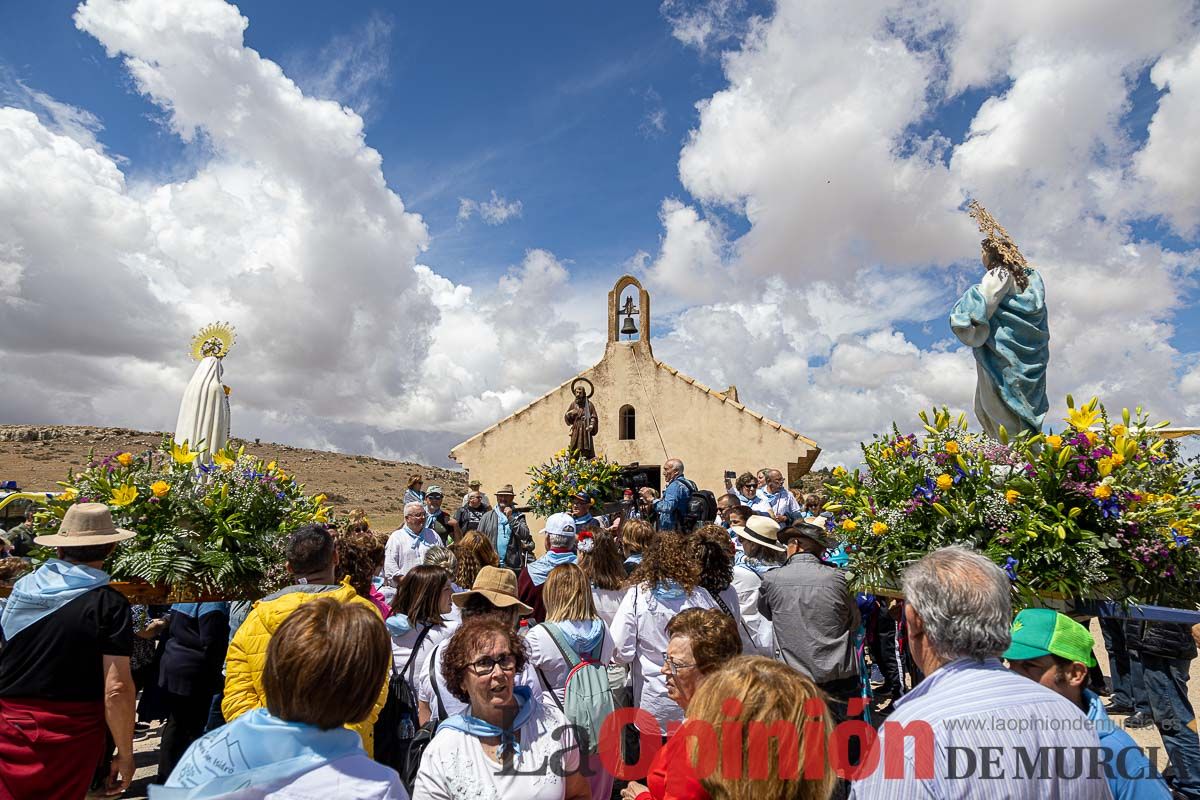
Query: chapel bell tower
x=629, y=315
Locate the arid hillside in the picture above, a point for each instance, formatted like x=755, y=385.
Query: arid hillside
x=37, y=456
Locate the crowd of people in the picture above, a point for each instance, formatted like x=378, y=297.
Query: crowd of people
x=657, y=651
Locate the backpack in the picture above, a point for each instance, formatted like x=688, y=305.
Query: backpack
x=701, y=509
x=588, y=698
x=397, y=723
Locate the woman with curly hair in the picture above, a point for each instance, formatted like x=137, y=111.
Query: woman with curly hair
x=474, y=552
x=360, y=558
x=713, y=551
x=665, y=583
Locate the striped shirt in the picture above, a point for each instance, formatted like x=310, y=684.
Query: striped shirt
x=995, y=734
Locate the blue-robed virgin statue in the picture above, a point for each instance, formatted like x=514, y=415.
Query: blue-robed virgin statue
x=1003, y=320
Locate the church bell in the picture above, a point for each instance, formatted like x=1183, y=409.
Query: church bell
x=628, y=327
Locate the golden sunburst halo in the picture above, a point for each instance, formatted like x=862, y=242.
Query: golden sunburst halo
x=215, y=339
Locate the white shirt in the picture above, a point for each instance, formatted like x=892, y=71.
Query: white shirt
x=607, y=601
x=639, y=633
x=785, y=504
x=747, y=582
x=404, y=551
x=453, y=705
x=729, y=597
x=402, y=647
x=545, y=655
x=453, y=766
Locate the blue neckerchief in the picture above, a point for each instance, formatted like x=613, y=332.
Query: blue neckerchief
x=417, y=538
x=255, y=750
x=634, y=558
x=769, y=497
x=398, y=625
x=753, y=564
x=508, y=736
x=584, y=520
x=582, y=635
x=45, y=591
x=668, y=590
x=746, y=501
x=540, y=569
x=199, y=609
x=503, y=534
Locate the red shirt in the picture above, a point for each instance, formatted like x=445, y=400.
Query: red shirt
x=672, y=776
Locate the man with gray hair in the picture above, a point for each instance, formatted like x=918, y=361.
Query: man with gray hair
x=973, y=729
x=561, y=532
x=406, y=547
x=673, y=507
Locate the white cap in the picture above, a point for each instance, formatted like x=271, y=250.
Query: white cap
x=561, y=524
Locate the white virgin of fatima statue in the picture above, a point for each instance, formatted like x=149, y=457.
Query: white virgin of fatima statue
x=204, y=413
x=1003, y=319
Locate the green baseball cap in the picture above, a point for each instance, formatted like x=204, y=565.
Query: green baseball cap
x=1038, y=632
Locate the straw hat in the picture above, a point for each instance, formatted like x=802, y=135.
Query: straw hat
x=762, y=531
x=86, y=524
x=499, y=586
x=505, y=489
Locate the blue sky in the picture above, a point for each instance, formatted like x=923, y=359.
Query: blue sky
x=545, y=103
x=787, y=180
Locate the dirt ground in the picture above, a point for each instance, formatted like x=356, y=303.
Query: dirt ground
x=36, y=457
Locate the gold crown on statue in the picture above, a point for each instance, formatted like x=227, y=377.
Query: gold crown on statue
x=1000, y=243
x=215, y=339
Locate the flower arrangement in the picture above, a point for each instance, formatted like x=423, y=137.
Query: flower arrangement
x=565, y=474
x=201, y=528
x=1101, y=509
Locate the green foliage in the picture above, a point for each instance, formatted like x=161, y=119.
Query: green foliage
x=1100, y=510
x=216, y=527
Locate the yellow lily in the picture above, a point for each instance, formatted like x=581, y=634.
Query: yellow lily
x=1118, y=430
x=1083, y=417
x=223, y=461
x=1105, y=467
x=1011, y=496
x=68, y=494
x=124, y=495
x=182, y=454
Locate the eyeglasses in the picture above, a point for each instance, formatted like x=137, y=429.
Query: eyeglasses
x=485, y=665
x=675, y=666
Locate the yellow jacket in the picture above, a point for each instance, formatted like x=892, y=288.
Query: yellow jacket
x=248, y=654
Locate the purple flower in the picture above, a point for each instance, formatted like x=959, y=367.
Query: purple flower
x=925, y=490
x=1010, y=566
